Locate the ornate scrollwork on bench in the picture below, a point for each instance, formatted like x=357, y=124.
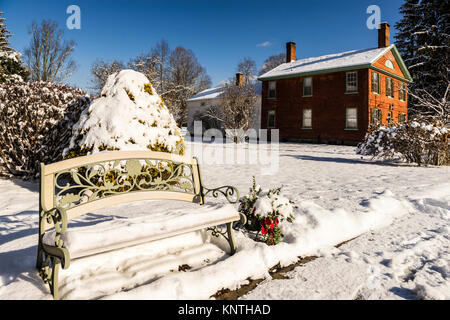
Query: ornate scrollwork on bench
x=229, y=192
x=76, y=186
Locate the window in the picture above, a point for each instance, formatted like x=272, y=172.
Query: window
x=401, y=91
x=375, y=116
x=389, y=87
x=401, y=117
x=389, y=64
x=271, y=119
x=390, y=117
x=272, y=92
x=307, y=118
x=375, y=82
x=351, y=119
x=307, y=87
x=351, y=82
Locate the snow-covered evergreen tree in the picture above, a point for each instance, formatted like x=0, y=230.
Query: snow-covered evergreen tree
x=423, y=40
x=129, y=116
x=35, y=124
x=11, y=67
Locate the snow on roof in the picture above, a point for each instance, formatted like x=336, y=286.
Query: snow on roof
x=211, y=93
x=327, y=62
x=214, y=93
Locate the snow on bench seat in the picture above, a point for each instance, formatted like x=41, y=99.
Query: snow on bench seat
x=125, y=232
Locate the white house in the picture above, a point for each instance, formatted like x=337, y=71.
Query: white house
x=198, y=106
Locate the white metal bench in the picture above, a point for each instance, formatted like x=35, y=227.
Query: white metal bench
x=74, y=187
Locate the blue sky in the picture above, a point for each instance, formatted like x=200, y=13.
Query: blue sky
x=220, y=33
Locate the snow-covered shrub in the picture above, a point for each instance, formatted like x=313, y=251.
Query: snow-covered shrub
x=265, y=210
x=35, y=124
x=130, y=116
x=419, y=142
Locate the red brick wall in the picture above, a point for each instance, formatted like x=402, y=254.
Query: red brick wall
x=328, y=104
x=383, y=102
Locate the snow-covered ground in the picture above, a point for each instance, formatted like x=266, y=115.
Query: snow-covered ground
x=398, y=213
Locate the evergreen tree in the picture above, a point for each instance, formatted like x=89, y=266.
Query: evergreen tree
x=4, y=35
x=423, y=40
x=11, y=67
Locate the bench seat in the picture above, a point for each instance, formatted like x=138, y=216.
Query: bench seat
x=125, y=232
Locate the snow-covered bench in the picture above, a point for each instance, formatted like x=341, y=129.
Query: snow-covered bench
x=73, y=187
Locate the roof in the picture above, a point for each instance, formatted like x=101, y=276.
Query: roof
x=212, y=93
x=215, y=93
x=348, y=60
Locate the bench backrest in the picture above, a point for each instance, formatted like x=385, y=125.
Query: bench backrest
x=83, y=184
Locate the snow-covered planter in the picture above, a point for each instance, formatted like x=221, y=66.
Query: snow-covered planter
x=419, y=142
x=35, y=124
x=129, y=116
x=265, y=210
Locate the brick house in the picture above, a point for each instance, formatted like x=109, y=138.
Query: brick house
x=333, y=98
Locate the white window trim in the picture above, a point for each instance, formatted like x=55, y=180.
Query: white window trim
x=268, y=90
x=274, y=119
x=303, y=119
x=303, y=87
x=391, y=81
x=378, y=83
x=403, y=90
x=346, y=119
x=346, y=82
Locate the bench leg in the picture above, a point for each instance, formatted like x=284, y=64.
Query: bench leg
x=230, y=238
x=49, y=274
x=54, y=289
x=228, y=235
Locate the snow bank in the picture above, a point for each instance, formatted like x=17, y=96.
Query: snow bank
x=314, y=231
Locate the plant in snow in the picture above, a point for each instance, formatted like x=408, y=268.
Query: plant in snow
x=130, y=116
x=35, y=124
x=418, y=142
x=265, y=211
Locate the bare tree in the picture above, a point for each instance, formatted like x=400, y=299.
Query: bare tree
x=272, y=62
x=429, y=107
x=236, y=111
x=154, y=65
x=49, y=56
x=101, y=70
x=247, y=67
x=186, y=78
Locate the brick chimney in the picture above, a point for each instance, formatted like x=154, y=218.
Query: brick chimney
x=239, y=79
x=290, y=52
x=384, y=31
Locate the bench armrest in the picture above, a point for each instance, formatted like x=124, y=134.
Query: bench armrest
x=229, y=192
x=58, y=217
